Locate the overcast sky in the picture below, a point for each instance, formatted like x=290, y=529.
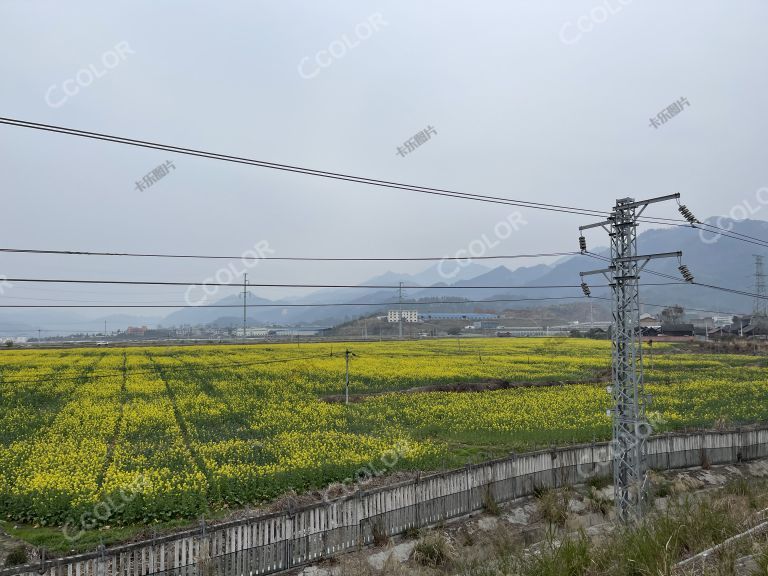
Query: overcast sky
x=548, y=101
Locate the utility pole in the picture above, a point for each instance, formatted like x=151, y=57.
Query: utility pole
x=245, y=302
x=630, y=427
x=346, y=386
x=400, y=313
x=759, y=308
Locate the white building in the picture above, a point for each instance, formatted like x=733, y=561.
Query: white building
x=408, y=315
x=720, y=321
x=249, y=332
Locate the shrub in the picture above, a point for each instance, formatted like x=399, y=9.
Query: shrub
x=433, y=551
x=600, y=482
x=705, y=460
x=553, y=506
x=662, y=489
x=599, y=503
x=17, y=556
x=380, y=537
x=489, y=503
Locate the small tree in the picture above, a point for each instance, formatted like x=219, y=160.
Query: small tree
x=672, y=315
x=455, y=331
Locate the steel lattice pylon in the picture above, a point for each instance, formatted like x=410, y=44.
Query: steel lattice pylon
x=630, y=427
x=629, y=446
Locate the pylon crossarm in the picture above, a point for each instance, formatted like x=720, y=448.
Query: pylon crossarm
x=643, y=203
x=648, y=257
x=605, y=272
x=602, y=225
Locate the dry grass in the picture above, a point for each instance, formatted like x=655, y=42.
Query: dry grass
x=434, y=551
x=553, y=505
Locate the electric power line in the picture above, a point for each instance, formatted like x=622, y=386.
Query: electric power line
x=284, y=258
x=291, y=305
x=289, y=285
x=693, y=283
x=362, y=180
x=296, y=169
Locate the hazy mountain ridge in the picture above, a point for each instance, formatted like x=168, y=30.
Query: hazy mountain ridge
x=718, y=261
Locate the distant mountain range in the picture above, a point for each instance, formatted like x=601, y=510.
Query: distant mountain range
x=717, y=261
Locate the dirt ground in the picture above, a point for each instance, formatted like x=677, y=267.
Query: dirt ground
x=481, y=386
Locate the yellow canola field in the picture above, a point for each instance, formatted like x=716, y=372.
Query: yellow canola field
x=144, y=434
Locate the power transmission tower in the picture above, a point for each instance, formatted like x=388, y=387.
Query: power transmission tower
x=759, y=307
x=630, y=427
